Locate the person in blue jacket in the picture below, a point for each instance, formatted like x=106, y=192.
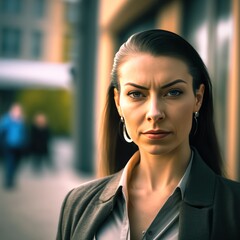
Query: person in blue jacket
x=14, y=135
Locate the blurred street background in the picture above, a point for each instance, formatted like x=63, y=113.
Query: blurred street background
x=55, y=64
x=31, y=209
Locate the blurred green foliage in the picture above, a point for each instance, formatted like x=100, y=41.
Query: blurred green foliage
x=55, y=104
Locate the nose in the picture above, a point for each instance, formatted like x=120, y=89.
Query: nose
x=155, y=110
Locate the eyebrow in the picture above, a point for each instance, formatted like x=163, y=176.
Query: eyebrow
x=163, y=87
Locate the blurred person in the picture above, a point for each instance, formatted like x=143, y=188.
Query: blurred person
x=39, y=142
x=14, y=139
x=166, y=181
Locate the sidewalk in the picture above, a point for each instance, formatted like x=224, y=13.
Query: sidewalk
x=31, y=211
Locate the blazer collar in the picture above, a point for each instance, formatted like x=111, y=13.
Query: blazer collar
x=201, y=183
x=197, y=203
x=117, y=180
x=199, y=189
x=111, y=188
x=196, y=210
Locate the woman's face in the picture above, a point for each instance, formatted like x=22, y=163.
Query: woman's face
x=157, y=102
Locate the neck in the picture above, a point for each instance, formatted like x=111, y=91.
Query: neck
x=160, y=172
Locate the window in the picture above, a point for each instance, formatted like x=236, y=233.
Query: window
x=10, y=6
x=37, y=44
x=39, y=8
x=10, y=45
x=71, y=12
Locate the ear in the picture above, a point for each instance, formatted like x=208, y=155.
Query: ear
x=117, y=101
x=199, y=97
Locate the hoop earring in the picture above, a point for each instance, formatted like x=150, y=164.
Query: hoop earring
x=125, y=134
x=196, y=115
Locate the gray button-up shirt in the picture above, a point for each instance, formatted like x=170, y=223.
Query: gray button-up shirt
x=164, y=225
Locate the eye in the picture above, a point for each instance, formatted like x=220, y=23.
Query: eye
x=135, y=94
x=174, y=93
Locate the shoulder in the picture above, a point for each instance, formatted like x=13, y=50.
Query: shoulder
x=205, y=185
x=84, y=201
x=90, y=188
x=90, y=192
x=226, y=206
x=228, y=186
x=5, y=119
x=227, y=196
x=5, y=122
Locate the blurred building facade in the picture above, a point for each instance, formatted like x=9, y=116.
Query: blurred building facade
x=212, y=27
x=33, y=30
x=42, y=30
x=36, y=37
x=36, y=41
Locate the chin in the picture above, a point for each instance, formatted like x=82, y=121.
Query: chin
x=157, y=150
x=161, y=149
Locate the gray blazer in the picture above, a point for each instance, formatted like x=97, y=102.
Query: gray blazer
x=210, y=208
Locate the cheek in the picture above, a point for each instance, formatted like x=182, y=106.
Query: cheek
x=133, y=115
x=183, y=117
x=128, y=108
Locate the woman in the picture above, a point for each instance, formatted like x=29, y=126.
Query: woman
x=171, y=188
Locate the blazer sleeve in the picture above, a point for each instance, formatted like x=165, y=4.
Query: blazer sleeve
x=63, y=231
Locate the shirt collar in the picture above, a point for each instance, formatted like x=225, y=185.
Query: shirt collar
x=134, y=160
x=182, y=183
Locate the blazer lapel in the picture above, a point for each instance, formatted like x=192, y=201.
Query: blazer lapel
x=196, y=210
x=99, y=211
x=87, y=231
x=194, y=223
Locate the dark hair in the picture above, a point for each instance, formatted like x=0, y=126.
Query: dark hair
x=115, y=151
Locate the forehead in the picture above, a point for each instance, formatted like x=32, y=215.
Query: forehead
x=145, y=65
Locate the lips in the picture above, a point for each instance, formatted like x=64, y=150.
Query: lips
x=157, y=131
x=156, y=134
